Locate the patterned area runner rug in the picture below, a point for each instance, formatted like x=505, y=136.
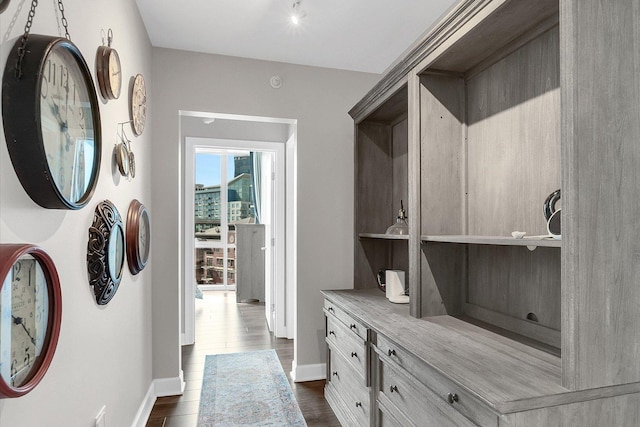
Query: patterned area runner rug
x=247, y=389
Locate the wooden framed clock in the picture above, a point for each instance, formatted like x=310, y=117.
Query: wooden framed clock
x=30, y=317
x=108, y=69
x=138, y=236
x=138, y=104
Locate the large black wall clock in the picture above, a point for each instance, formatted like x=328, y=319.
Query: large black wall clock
x=105, y=252
x=52, y=121
x=30, y=317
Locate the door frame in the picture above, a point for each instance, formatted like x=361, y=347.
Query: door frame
x=284, y=289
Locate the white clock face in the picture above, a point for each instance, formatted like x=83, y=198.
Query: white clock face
x=24, y=315
x=67, y=123
x=139, y=104
x=144, y=236
x=115, y=73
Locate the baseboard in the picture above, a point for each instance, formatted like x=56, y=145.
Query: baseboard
x=302, y=373
x=169, y=386
x=145, y=408
x=158, y=388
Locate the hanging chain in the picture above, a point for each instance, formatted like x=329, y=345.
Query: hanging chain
x=64, y=20
x=27, y=29
x=25, y=36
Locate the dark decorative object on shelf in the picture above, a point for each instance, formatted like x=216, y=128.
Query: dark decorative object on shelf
x=31, y=307
x=552, y=215
x=105, y=252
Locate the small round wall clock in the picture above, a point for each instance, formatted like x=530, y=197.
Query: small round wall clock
x=30, y=317
x=52, y=121
x=138, y=237
x=138, y=105
x=105, y=252
x=108, y=69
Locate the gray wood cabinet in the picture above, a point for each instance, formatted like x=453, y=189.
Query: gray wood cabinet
x=501, y=103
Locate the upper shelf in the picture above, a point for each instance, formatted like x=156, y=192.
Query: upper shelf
x=495, y=240
x=383, y=236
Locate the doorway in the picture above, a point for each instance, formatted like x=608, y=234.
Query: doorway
x=231, y=185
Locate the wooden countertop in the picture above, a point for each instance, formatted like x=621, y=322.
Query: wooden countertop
x=506, y=374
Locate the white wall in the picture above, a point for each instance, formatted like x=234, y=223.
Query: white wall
x=319, y=99
x=104, y=352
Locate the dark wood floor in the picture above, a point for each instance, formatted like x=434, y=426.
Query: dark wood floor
x=222, y=326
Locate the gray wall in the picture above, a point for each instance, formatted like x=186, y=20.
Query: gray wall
x=104, y=353
x=319, y=99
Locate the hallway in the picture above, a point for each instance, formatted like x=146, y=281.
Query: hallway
x=222, y=326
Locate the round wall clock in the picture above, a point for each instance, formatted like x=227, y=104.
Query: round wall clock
x=108, y=69
x=138, y=237
x=52, y=122
x=138, y=105
x=30, y=317
x=105, y=252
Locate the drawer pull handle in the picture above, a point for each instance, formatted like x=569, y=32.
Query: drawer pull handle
x=452, y=397
x=332, y=333
x=330, y=309
x=392, y=352
x=354, y=354
x=352, y=326
x=393, y=389
x=358, y=404
x=335, y=373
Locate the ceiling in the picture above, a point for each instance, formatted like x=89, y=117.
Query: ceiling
x=357, y=35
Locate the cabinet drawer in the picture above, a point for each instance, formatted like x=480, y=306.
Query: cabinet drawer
x=350, y=387
x=352, y=347
x=465, y=402
x=412, y=400
x=355, y=326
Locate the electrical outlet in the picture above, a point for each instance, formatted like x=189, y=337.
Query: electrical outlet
x=101, y=418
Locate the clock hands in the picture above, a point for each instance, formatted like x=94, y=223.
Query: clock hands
x=19, y=321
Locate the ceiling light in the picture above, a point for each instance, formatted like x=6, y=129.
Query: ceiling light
x=297, y=13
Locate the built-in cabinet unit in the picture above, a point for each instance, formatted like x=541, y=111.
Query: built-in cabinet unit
x=500, y=104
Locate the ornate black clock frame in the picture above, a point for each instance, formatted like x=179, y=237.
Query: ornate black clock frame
x=105, y=252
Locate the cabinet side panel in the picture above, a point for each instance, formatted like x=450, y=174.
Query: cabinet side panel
x=442, y=154
x=442, y=188
x=601, y=148
x=373, y=198
x=513, y=110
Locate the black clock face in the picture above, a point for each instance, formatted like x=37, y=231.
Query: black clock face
x=67, y=124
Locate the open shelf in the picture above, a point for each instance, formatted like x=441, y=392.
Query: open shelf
x=494, y=240
x=383, y=236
